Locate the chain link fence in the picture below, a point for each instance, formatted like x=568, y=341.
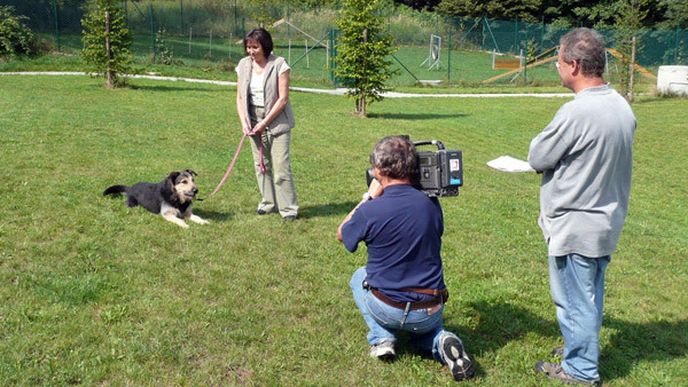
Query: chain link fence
x=431, y=49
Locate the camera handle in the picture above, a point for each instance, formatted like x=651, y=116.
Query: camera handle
x=439, y=144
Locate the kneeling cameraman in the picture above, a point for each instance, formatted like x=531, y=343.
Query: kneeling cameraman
x=402, y=286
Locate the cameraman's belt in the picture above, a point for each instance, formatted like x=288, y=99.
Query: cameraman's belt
x=441, y=296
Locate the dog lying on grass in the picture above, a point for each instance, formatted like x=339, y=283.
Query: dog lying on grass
x=172, y=198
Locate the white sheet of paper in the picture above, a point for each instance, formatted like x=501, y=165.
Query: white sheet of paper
x=510, y=164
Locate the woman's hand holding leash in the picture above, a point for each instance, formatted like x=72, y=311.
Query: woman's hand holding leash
x=258, y=129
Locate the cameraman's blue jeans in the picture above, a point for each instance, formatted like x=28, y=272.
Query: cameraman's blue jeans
x=577, y=286
x=384, y=321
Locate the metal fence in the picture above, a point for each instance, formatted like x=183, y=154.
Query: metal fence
x=431, y=49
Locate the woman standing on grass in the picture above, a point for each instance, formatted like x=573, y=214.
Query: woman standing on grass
x=265, y=114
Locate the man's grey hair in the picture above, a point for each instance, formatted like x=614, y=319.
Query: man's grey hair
x=395, y=157
x=587, y=47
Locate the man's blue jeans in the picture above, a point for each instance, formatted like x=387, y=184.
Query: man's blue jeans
x=577, y=286
x=384, y=321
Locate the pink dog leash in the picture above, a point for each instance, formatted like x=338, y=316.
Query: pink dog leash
x=234, y=159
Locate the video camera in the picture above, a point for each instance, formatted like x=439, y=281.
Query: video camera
x=440, y=172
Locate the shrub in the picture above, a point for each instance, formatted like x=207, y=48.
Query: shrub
x=15, y=37
x=364, y=46
x=106, y=52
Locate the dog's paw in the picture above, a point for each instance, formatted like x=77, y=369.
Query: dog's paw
x=198, y=219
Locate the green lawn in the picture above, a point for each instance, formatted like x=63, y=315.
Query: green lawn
x=95, y=293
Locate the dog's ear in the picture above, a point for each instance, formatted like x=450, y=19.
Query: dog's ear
x=173, y=176
x=191, y=171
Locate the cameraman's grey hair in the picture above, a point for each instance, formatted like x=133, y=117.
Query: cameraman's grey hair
x=395, y=157
x=586, y=46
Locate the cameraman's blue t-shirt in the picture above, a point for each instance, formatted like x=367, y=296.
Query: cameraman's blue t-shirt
x=403, y=232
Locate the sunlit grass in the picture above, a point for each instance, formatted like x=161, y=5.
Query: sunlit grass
x=93, y=292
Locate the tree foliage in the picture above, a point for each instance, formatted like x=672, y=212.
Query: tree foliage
x=591, y=13
x=363, y=51
x=420, y=5
x=106, y=53
x=15, y=37
x=629, y=21
x=676, y=13
x=527, y=10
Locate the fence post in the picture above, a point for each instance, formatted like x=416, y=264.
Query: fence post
x=676, y=46
x=449, y=41
x=152, y=27
x=57, y=25
x=210, y=46
x=236, y=19
x=181, y=17
x=332, y=49
x=542, y=35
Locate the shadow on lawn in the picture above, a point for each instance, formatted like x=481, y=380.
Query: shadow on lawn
x=416, y=116
x=183, y=86
x=327, y=209
x=631, y=342
x=498, y=324
x=635, y=342
x=212, y=215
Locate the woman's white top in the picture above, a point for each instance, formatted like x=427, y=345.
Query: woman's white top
x=256, y=94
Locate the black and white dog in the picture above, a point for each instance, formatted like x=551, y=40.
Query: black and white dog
x=171, y=198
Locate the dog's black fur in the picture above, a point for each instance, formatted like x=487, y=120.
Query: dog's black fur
x=172, y=198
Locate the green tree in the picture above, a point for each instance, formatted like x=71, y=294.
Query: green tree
x=419, y=5
x=15, y=37
x=106, y=40
x=629, y=19
x=676, y=13
x=363, y=51
x=528, y=10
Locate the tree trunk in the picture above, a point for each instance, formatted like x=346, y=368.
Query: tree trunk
x=631, y=70
x=363, y=112
x=109, y=72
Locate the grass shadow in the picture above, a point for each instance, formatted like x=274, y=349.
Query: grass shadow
x=182, y=87
x=499, y=323
x=416, y=116
x=213, y=215
x=326, y=209
x=635, y=342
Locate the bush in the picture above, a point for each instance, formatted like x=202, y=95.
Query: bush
x=113, y=60
x=364, y=46
x=15, y=37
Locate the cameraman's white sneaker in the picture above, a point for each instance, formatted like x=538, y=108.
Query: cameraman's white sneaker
x=383, y=350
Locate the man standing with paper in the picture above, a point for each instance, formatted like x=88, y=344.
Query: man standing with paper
x=585, y=157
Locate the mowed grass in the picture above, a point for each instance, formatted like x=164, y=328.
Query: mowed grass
x=92, y=292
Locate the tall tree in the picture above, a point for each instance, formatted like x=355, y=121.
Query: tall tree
x=106, y=40
x=528, y=10
x=629, y=21
x=419, y=5
x=363, y=50
x=676, y=14
x=15, y=37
